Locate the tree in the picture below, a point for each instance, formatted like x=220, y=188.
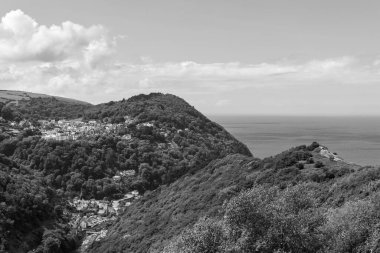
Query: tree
x=7, y=113
x=8, y=147
x=319, y=164
x=206, y=236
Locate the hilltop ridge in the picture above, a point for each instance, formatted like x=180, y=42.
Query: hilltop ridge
x=7, y=96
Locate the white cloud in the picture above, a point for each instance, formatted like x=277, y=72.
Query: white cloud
x=74, y=61
x=97, y=52
x=19, y=24
x=23, y=39
x=99, y=82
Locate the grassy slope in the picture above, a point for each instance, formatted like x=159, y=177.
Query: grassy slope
x=11, y=95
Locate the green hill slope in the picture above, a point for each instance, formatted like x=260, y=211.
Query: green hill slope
x=19, y=105
x=7, y=96
x=163, y=213
x=327, y=188
x=156, y=138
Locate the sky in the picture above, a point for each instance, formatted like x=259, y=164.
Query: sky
x=283, y=57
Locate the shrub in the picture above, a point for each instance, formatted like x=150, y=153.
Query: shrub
x=313, y=146
x=310, y=160
x=7, y=113
x=205, y=236
x=259, y=220
x=319, y=164
x=300, y=166
x=354, y=227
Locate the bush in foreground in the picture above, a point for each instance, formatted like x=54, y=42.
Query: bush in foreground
x=259, y=220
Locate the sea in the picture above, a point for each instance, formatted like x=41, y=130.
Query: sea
x=355, y=139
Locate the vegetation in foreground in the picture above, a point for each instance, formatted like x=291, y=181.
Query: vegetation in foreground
x=240, y=204
x=267, y=219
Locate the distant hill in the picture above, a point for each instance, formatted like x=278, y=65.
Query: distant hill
x=33, y=106
x=7, y=96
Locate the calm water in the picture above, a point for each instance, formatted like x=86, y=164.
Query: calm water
x=355, y=139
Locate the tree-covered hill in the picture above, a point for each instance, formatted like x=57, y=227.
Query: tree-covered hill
x=297, y=201
x=167, y=139
x=159, y=137
x=202, y=191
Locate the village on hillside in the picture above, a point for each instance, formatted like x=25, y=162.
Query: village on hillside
x=92, y=217
x=77, y=129
x=93, y=212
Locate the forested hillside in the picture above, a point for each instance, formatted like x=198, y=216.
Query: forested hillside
x=157, y=137
x=49, y=108
x=297, y=201
x=163, y=213
x=195, y=187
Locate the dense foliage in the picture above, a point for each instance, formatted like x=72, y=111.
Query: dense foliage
x=265, y=219
x=29, y=211
x=270, y=205
x=86, y=167
x=163, y=213
x=48, y=108
x=164, y=108
x=260, y=220
x=177, y=140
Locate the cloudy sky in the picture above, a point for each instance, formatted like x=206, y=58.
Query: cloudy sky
x=283, y=57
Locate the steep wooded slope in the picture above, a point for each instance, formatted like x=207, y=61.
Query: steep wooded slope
x=149, y=224
x=164, y=138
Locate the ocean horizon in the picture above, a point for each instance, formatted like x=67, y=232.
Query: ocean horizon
x=356, y=139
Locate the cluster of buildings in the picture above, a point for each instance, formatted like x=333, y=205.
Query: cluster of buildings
x=323, y=151
x=91, y=238
x=94, y=216
x=64, y=130
x=76, y=129
x=103, y=208
x=122, y=174
x=12, y=128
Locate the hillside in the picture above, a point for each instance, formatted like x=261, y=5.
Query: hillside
x=135, y=144
x=163, y=220
x=163, y=213
x=7, y=96
x=19, y=105
x=152, y=174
